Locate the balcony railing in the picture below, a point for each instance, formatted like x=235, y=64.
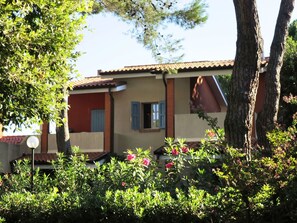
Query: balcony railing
x=86, y=141
x=192, y=128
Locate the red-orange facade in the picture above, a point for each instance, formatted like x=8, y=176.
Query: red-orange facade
x=81, y=105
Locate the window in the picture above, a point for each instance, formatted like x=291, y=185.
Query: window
x=148, y=115
x=151, y=115
x=97, y=120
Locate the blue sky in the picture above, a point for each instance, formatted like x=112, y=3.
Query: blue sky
x=108, y=46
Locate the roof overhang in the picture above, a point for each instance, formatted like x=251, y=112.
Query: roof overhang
x=183, y=69
x=44, y=161
x=98, y=90
x=180, y=74
x=128, y=75
x=90, y=164
x=185, y=74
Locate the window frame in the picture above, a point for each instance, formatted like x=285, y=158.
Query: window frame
x=138, y=120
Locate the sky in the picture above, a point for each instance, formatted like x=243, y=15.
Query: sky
x=107, y=45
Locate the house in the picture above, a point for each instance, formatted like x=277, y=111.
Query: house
x=90, y=116
x=91, y=98
x=138, y=106
x=11, y=148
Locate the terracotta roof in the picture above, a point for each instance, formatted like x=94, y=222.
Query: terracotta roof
x=46, y=158
x=182, y=66
x=95, y=82
x=16, y=140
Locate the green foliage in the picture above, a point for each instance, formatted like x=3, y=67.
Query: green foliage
x=262, y=186
x=186, y=167
x=289, y=77
x=133, y=190
x=148, y=205
x=138, y=169
x=224, y=81
x=178, y=155
x=293, y=30
x=38, y=38
x=211, y=183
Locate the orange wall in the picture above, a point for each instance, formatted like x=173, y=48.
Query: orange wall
x=204, y=95
x=79, y=114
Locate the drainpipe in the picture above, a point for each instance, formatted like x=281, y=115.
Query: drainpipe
x=111, y=121
x=165, y=85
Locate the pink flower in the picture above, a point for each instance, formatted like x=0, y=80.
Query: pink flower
x=131, y=157
x=169, y=165
x=185, y=149
x=211, y=134
x=123, y=184
x=146, y=161
x=175, y=152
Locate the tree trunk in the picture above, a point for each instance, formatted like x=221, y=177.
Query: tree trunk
x=62, y=131
x=267, y=118
x=245, y=76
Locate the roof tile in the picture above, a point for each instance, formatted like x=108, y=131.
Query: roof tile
x=95, y=82
x=182, y=66
x=16, y=140
x=46, y=158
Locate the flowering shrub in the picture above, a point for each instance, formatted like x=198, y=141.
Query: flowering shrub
x=169, y=165
x=146, y=162
x=185, y=149
x=131, y=190
x=131, y=157
x=210, y=133
x=212, y=183
x=138, y=169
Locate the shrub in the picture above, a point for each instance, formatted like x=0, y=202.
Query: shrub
x=213, y=183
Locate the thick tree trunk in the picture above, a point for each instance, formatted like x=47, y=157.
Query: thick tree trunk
x=267, y=119
x=245, y=76
x=62, y=132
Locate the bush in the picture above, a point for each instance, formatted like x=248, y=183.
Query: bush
x=213, y=183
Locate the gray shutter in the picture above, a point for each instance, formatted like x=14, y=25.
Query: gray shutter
x=97, y=120
x=162, y=114
x=135, y=115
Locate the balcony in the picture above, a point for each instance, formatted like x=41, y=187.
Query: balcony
x=86, y=141
x=192, y=128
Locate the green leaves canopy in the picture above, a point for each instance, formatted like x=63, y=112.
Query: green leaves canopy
x=289, y=76
x=37, y=42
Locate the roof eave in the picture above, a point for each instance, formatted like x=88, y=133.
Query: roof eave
x=90, y=90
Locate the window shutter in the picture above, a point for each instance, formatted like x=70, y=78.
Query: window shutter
x=135, y=115
x=97, y=120
x=162, y=114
